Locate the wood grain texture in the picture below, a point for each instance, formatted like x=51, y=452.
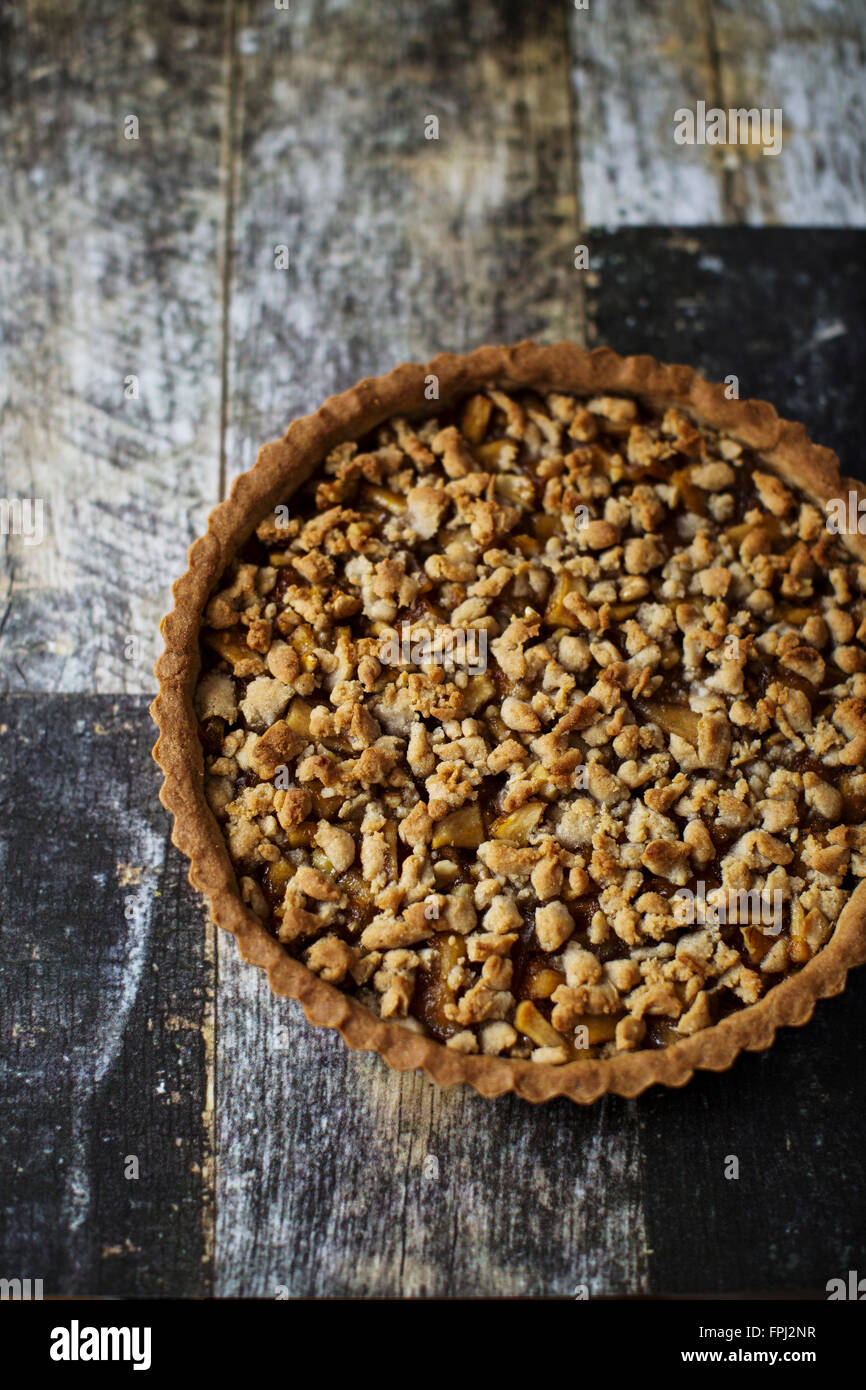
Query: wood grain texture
x=399, y=246
x=636, y=63
x=108, y=268
x=784, y=311
x=793, y=1117
x=352, y=1181
x=807, y=58
x=103, y=1000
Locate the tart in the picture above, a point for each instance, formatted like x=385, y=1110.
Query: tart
x=513, y=717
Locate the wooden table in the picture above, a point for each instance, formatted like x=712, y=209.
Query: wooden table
x=148, y=345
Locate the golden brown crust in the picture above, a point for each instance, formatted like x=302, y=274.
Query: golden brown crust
x=283, y=466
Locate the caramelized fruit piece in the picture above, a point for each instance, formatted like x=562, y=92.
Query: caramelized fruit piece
x=737, y=534
x=757, y=944
x=515, y=489
x=326, y=802
x=496, y=453
x=300, y=835
x=321, y=862
x=546, y=526
x=527, y=545
x=535, y=1026
x=599, y=1028
x=476, y=418
x=298, y=716
x=384, y=497
x=434, y=993
x=231, y=644
x=693, y=499
x=543, y=981
x=795, y=616
x=518, y=824
x=768, y=524
x=276, y=878
x=497, y=724
x=357, y=890
x=462, y=829
x=556, y=614
x=661, y=1032
x=304, y=641
x=390, y=833
x=674, y=719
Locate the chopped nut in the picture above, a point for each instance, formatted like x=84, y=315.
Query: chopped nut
x=553, y=925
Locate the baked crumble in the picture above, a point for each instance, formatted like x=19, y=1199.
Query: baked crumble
x=670, y=713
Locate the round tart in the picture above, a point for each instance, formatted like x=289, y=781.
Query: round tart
x=513, y=718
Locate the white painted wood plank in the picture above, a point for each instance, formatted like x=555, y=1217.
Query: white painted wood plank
x=637, y=63
x=634, y=64
x=109, y=268
x=808, y=58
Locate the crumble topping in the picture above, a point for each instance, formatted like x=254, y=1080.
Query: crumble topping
x=540, y=726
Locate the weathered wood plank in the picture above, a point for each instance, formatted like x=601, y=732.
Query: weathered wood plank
x=793, y=1117
x=104, y=1002
x=399, y=246
x=109, y=268
x=807, y=58
x=636, y=63
x=337, y=1176
x=784, y=311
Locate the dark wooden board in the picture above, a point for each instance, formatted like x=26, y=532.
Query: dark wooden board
x=104, y=1007
x=795, y=1118
x=783, y=310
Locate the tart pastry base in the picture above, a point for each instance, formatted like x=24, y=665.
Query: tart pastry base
x=280, y=469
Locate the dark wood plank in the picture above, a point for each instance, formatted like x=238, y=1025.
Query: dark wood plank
x=794, y=1118
x=785, y=312
x=104, y=1001
x=109, y=267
